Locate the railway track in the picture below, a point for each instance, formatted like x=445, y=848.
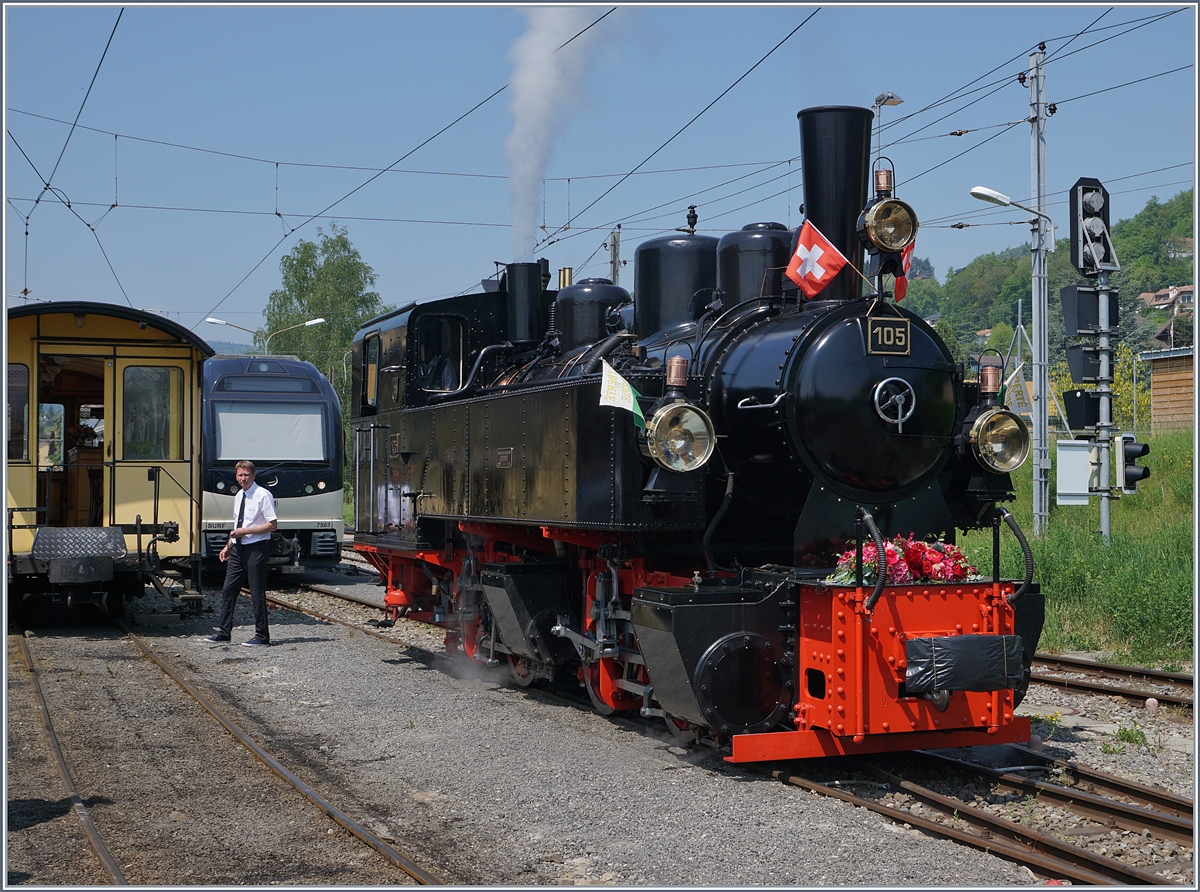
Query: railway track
x=64, y=772
x=380, y=847
x=1129, y=682
x=1006, y=819
x=1060, y=819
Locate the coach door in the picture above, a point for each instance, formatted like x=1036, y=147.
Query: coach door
x=152, y=447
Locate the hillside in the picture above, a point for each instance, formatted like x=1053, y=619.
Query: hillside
x=1154, y=251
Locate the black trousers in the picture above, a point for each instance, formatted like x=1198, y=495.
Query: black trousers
x=247, y=565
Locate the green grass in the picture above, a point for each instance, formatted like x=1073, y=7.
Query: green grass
x=1132, y=599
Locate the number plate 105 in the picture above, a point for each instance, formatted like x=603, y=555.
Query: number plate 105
x=889, y=336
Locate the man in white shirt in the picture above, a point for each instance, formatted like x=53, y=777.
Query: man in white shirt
x=245, y=556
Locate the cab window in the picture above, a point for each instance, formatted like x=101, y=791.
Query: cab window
x=371, y=371
x=440, y=353
x=16, y=419
x=152, y=422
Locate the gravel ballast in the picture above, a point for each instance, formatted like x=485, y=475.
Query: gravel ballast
x=486, y=783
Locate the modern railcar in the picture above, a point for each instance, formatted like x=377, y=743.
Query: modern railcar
x=687, y=569
x=282, y=414
x=103, y=438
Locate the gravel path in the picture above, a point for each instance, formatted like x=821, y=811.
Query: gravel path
x=175, y=798
x=485, y=783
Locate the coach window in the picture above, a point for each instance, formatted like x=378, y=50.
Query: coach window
x=152, y=422
x=371, y=371
x=439, y=353
x=16, y=419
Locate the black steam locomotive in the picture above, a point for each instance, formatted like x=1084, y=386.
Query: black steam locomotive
x=675, y=559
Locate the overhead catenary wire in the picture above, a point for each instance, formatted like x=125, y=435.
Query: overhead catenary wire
x=275, y=162
x=376, y=176
x=958, y=94
x=575, y=228
x=95, y=74
x=685, y=126
x=66, y=202
x=46, y=181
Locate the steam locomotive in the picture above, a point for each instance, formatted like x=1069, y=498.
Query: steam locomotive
x=681, y=570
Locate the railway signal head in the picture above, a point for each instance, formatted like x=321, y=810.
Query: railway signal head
x=1131, y=472
x=1091, y=242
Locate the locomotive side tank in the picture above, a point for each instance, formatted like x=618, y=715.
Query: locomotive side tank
x=505, y=490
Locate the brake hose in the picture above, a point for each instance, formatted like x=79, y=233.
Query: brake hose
x=1025, y=549
x=880, y=558
x=708, y=534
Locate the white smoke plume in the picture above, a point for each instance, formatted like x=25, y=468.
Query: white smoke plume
x=545, y=87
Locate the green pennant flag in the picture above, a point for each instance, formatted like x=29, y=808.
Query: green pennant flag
x=616, y=391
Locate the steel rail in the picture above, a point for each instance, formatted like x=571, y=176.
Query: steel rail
x=1095, y=687
x=1065, y=853
x=1093, y=779
x=1113, y=670
x=1004, y=848
x=1090, y=805
x=81, y=810
x=383, y=848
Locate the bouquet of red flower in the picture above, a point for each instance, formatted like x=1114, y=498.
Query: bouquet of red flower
x=908, y=561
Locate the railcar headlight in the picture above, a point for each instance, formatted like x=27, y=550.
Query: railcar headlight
x=890, y=225
x=321, y=484
x=1000, y=440
x=680, y=437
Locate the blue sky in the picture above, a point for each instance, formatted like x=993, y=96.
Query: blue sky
x=284, y=101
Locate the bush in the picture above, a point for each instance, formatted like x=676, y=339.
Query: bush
x=1131, y=599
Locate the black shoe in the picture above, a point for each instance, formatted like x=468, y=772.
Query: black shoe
x=219, y=638
x=256, y=642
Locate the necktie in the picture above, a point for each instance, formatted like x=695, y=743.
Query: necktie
x=241, y=513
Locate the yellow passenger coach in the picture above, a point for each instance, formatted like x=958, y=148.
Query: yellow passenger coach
x=103, y=469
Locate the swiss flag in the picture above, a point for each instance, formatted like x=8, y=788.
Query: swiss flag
x=815, y=262
x=902, y=280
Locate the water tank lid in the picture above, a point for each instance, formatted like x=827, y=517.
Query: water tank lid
x=760, y=226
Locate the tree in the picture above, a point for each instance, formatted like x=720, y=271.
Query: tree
x=920, y=268
x=924, y=297
x=329, y=280
x=1000, y=338
x=946, y=332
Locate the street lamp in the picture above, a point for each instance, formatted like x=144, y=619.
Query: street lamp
x=886, y=98
x=230, y=324
x=1041, y=381
x=267, y=341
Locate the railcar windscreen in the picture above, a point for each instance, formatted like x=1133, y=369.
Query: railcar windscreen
x=269, y=432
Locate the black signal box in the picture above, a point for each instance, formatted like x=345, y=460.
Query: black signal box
x=1081, y=310
x=1082, y=408
x=1084, y=362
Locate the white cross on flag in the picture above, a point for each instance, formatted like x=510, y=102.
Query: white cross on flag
x=815, y=262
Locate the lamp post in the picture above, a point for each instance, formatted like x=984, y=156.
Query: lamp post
x=267, y=341
x=1041, y=381
x=887, y=98
x=230, y=324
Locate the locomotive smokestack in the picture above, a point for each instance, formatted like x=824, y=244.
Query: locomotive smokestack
x=835, y=149
x=523, y=282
